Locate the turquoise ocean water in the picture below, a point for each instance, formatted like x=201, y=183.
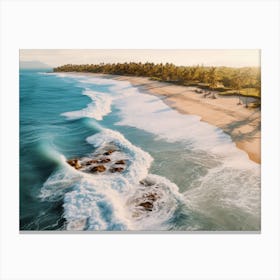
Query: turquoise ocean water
x=202, y=181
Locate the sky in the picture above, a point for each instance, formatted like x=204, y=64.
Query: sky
x=57, y=57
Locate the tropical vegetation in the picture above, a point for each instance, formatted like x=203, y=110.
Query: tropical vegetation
x=245, y=81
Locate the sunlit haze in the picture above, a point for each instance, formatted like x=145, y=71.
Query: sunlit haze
x=231, y=58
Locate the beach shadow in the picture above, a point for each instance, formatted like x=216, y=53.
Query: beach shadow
x=163, y=110
x=254, y=121
x=157, y=99
x=162, y=96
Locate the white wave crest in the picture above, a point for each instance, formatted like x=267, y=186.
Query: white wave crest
x=112, y=201
x=97, y=109
x=140, y=161
x=232, y=187
x=150, y=113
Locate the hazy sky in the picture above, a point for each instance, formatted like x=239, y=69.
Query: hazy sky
x=233, y=58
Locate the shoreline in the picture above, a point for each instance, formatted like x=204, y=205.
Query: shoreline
x=242, y=124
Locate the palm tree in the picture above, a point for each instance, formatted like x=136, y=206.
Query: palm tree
x=213, y=78
x=236, y=83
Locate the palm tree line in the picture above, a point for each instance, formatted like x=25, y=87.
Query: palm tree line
x=212, y=78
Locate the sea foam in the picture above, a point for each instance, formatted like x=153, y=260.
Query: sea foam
x=97, y=109
x=231, y=189
x=109, y=201
x=150, y=113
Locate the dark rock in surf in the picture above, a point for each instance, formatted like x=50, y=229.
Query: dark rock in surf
x=116, y=169
x=98, y=168
x=108, y=152
x=151, y=196
x=90, y=162
x=104, y=160
x=148, y=206
x=93, y=161
x=74, y=163
x=120, y=162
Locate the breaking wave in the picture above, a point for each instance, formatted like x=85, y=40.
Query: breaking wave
x=97, y=109
x=131, y=200
x=134, y=199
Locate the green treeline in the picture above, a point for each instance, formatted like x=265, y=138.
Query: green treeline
x=245, y=81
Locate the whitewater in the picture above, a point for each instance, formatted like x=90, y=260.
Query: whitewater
x=195, y=176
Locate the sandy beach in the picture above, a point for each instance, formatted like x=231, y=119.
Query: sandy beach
x=242, y=124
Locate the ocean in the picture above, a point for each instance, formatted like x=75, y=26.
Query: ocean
x=178, y=173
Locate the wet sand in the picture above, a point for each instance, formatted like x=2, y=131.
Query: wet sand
x=242, y=124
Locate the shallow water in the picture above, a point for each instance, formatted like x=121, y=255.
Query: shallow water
x=202, y=181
